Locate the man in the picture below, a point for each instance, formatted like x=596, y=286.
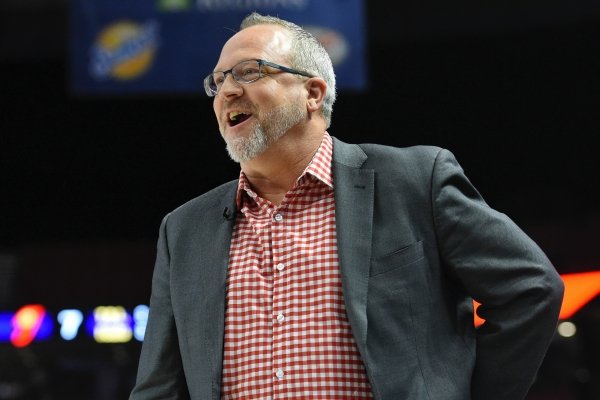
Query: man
x=331, y=270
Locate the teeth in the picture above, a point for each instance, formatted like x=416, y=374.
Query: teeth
x=234, y=115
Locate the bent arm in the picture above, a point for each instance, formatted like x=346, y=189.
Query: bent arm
x=504, y=270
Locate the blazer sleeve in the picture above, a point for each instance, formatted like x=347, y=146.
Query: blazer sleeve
x=503, y=269
x=160, y=372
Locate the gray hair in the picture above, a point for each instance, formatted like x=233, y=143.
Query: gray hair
x=307, y=55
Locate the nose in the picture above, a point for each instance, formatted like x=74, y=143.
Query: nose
x=230, y=88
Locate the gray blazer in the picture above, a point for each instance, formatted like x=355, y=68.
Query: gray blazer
x=416, y=244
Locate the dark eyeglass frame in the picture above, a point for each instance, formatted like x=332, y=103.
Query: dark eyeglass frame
x=210, y=77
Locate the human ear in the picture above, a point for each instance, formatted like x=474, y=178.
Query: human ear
x=316, y=89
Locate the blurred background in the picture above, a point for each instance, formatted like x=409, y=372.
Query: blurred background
x=511, y=88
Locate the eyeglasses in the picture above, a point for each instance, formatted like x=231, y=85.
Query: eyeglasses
x=244, y=72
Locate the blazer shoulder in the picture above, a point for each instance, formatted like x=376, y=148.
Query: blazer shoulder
x=418, y=152
x=416, y=161
x=371, y=155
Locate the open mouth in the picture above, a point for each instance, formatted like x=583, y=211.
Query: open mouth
x=235, y=117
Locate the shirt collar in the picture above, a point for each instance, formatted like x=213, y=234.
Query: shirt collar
x=319, y=167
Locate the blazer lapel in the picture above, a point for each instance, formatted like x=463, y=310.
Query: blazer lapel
x=215, y=256
x=354, y=192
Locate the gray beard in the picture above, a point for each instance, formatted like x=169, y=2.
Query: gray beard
x=273, y=126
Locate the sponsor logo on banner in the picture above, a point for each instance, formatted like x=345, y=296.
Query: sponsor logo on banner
x=333, y=41
x=124, y=50
x=174, y=5
x=249, y=5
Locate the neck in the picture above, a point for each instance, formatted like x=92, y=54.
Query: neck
x=273, y=173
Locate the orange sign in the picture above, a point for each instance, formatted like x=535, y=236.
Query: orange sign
x=580, y=289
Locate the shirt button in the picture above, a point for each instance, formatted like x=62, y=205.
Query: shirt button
x=280, y=318
x=278, y=217
x=279, y=373
x=280, y=266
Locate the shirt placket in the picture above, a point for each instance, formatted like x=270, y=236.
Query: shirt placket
x=261, y=219
x=279, y=232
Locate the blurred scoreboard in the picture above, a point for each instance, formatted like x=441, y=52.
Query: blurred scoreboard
x=103, y=324
x=117, y=324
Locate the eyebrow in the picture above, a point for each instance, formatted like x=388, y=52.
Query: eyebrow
x=245, y=59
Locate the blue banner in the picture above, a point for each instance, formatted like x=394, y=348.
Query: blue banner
x=169, y=46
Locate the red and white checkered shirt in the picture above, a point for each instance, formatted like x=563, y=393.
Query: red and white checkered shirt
x=287, y=334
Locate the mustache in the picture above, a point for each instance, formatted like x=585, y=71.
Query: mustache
x=239, y=105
